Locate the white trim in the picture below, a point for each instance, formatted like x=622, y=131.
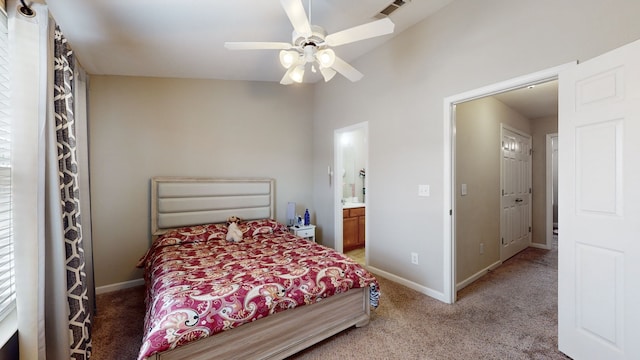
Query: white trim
x=119, y=286
x=540, y=246
x=8, y=326
x=337, y=190
x=448, y=171
x=410, y=284
x=513, y=130
x=477, y=275
x=337, y=183
x=449, y=253
x=549, y=194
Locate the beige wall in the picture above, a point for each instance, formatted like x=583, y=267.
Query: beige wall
x=145, y=127
x=477, y=162
x=466, y=45
x=539, y=130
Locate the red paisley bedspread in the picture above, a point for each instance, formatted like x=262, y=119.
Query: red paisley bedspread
x=198, y=284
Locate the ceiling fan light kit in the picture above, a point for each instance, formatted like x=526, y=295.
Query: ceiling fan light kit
x=297, y=74
x=288, y=58
x=311, y=45
x=326, y=57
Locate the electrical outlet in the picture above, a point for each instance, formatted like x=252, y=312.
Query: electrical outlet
x=414, y=258
x=423, y=190
x=481, y=248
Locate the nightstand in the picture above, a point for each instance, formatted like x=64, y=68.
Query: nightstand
x=305, y=231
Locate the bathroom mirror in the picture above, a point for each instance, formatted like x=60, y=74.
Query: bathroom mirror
x=353, y=162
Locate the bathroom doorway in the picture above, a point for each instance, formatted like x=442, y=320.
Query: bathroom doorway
x=350, y=174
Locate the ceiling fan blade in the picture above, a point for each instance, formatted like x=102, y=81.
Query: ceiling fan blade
x=297, y=16
x=365, y=31
x=346, y=70
x=257, y=45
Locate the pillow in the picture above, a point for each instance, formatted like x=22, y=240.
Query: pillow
x=193, y=233
x=185, y=235
x=262, y=226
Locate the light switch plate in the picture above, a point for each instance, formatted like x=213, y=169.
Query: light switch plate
x=463, y=189
x=423, y=190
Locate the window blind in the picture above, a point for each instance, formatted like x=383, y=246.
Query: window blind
x=7, y=275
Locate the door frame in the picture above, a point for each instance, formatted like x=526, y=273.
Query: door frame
x=549, y=192
x=338, y=184
x=449, y=160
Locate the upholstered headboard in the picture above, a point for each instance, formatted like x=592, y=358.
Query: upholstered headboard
x=185, y=201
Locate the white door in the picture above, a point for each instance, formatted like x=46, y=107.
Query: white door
x=515, y=203
x=599, y=207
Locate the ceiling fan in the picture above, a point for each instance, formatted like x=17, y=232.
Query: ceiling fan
x=311, y=45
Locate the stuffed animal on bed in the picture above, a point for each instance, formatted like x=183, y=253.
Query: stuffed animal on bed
x=233, y=231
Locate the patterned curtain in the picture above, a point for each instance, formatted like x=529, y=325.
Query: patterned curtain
x=79, y=312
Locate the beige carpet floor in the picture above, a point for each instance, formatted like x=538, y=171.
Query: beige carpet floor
x=511, y=313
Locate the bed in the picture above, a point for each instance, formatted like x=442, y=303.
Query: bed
x=266, y=297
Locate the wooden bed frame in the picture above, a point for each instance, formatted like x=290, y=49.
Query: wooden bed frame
x=184, y=201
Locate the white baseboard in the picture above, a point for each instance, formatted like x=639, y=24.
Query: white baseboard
x=119, y=286
x=477, y=275
x=410, y=284
x=540, y=246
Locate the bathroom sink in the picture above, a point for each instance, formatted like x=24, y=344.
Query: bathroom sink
x=349, y=205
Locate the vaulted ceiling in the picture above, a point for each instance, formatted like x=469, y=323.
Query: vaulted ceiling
x=185, y=38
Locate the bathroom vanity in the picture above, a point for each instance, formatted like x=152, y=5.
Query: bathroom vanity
x=353, y=220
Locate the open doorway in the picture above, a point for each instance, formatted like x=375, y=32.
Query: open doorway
x=350, y=173
x=496, y=199
x=485, y=255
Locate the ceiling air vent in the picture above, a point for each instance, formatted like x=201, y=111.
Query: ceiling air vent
x=393, y=7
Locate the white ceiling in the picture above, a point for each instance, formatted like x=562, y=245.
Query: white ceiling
x=185, y=38
x=533, y=102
